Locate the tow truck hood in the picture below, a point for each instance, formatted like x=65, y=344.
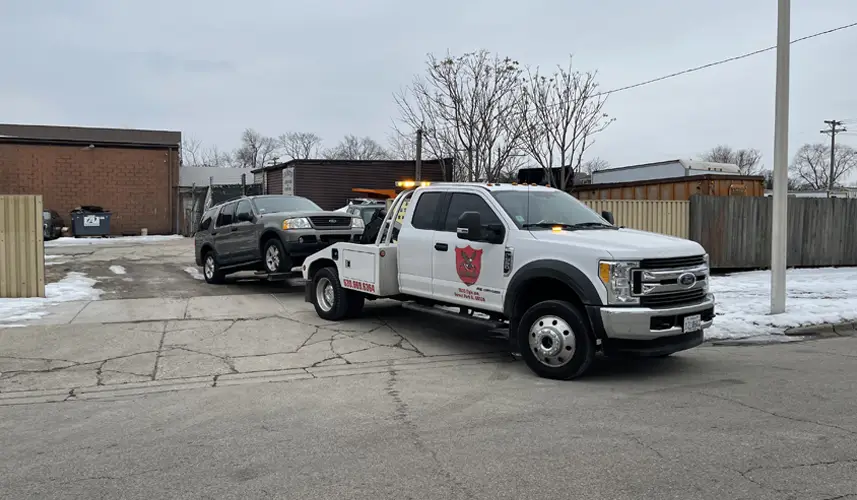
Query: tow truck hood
x=624, y=244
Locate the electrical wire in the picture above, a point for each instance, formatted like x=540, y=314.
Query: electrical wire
x=723, y=61
x=701, y=67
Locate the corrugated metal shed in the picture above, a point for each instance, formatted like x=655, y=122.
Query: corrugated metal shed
x=663, y=170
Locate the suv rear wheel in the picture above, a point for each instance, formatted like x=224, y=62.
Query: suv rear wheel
x=211, y=270
x=555, y=340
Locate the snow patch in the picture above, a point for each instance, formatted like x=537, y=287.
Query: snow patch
x=74, y=287
x=194, y=273
x=117, y=269
x=813, y=297
x=112, y=241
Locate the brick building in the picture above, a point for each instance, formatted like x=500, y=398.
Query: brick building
x=132, y=173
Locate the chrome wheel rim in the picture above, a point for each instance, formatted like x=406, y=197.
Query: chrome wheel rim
x=552, y=341
x=272, y=258
x=209, y=267
x=324, y=294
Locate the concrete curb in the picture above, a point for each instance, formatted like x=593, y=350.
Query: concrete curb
x=843, y=329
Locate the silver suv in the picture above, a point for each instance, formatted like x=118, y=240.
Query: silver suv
x=271, y=233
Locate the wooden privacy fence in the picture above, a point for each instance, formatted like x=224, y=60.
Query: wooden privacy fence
x=661, y=216
x=22, y=250
x=736, y=231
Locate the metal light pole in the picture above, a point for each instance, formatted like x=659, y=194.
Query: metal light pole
x=779, y=228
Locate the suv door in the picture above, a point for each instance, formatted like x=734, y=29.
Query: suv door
x=415, y=251
x=467, y=272
x=245, y=233
x=222, y=235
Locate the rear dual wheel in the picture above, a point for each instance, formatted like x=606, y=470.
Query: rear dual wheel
x=333, y=302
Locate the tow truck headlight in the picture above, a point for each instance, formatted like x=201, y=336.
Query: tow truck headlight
x=357, y=223
x=707, y=273
x=297, y=223
x=616, y=276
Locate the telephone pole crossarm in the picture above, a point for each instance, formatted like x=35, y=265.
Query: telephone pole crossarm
x=835, y=128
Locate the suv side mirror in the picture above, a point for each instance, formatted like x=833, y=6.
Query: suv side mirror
x=608, y=216
x=469, y=226
x=245, y=217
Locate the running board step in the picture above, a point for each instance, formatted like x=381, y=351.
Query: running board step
x=488, y=323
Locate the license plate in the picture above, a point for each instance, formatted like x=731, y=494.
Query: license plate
x=692, y=323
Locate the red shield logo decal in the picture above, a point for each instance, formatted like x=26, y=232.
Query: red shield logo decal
x=468, y=263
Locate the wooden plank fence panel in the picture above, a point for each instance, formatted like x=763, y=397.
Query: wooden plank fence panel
x=658, y=216
x=22, y=250
x=736, y=231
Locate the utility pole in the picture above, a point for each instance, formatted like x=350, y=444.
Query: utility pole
x=419, y=162
x=832, y=131
x=779, y=228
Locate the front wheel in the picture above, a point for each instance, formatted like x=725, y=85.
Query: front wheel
x=555, y=341
x=276, y=259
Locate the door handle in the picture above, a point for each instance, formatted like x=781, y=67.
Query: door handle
x=443, y=247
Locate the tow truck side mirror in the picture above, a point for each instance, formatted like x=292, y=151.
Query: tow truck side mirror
x=608, y=216
x=469, y=226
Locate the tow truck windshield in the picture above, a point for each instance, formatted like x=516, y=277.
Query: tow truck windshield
x=548, y=209
x=275, y=204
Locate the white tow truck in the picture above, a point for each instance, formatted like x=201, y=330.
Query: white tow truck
x=566, y=280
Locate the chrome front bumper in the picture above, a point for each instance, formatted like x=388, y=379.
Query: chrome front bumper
x=635, y=323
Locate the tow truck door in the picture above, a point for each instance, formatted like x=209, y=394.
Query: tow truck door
x=415, y=246
x=469, y=273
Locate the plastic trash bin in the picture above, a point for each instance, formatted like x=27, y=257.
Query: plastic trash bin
x=90, y=221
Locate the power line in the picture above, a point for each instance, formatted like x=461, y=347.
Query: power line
x=702, y=67
x=724, y=61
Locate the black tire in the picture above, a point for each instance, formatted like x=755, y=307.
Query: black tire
x=558, y=329
x=211, y=270
x=336, y=305
x=280, y=262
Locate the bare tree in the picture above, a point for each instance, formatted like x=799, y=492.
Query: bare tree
x=747, y=160
x=811, y=164
x=467, y=107
x=357, y=148
x=594, y=165
x=300, y=145
x=255, y=150
x=561, y=113
x=214, y=157
x=190, y=152
x=402, y=146
x=792, y=184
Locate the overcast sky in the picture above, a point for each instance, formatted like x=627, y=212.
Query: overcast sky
x=211, y=68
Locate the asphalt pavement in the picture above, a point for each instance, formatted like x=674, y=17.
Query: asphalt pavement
x=756, y=422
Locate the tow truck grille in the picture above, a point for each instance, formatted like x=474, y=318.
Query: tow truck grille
x=330, y=221
x=665, y=282
x=673, y=262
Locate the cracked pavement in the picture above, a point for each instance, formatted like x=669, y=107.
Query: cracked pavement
x=288, y=337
